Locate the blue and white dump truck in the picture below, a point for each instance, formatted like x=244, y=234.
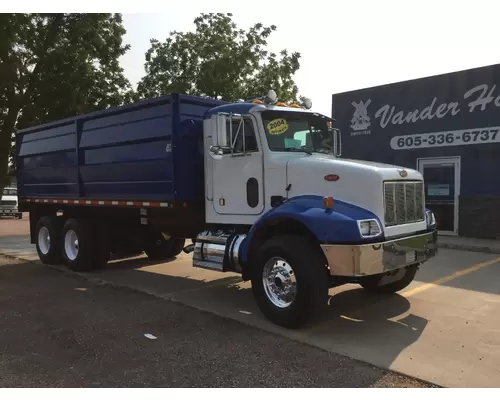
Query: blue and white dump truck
x=258, y=186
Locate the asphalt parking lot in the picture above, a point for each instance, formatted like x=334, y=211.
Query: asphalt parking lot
x=442, y=329
x=59, y=330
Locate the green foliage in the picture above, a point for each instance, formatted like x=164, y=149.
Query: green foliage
x=218, y=59
x=54, y=66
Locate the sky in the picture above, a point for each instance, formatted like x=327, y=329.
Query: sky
x=344, y=45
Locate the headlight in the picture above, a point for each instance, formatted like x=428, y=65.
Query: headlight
x=429, y=217
x=369, y=228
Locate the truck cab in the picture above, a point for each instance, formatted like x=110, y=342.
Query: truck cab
x=277, y=170
x=9, y=203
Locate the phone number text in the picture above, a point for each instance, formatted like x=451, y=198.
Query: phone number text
x=449, y=138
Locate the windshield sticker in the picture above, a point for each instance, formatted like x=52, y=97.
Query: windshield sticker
x=277, y=126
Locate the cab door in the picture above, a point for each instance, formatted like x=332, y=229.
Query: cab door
x=238, y=171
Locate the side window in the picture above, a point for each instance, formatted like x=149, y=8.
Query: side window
x=243, y=136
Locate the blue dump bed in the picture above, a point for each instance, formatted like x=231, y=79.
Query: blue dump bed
x=147, y=151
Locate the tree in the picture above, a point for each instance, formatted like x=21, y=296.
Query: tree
x=54, y=66
x=218, y=59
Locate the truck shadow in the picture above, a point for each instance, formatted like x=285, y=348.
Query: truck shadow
x=161, y=278
x=372, y=328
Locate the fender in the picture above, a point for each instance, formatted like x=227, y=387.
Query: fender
x=329, y=226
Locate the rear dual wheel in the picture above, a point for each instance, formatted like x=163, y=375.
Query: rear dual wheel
x=47, y=239
x=84, y=247
x=76, y=243
x=158, y=247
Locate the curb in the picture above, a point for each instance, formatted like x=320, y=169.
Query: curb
x=472, y=248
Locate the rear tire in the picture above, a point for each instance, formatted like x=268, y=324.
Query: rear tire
x=47, y=239
x=102, y=246
x=80, y=246
x=158, y=248
x=397, y=283
x=289, y=281
x=178, y=245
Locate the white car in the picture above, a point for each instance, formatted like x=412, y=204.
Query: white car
x=8, y=203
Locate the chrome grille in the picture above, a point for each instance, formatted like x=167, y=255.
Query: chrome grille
x=11, y=203
x=403, y=202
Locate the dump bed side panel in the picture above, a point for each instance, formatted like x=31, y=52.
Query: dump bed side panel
x=147, y=151
x=118, y=153
x=189, y=165
x=124, y=156
x=47, y=162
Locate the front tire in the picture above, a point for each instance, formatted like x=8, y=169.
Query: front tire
x=289, y=281
x=388, y=284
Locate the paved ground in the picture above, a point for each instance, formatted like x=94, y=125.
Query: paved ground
x=13, y=226
x=443, y=328
x=59, y=330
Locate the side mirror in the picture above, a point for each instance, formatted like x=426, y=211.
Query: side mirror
x=216, y=150
x=221, y=131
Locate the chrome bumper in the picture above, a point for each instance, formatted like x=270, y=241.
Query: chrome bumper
x=372, y=259
x=9, y=211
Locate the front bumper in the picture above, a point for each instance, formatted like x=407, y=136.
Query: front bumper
x=9, y=212
x=377, y=258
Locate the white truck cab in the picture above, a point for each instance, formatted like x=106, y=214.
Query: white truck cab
x=296, y=218
x=9, y=203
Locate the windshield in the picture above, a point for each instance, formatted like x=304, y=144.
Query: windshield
x=297, y=131
x=10, y=192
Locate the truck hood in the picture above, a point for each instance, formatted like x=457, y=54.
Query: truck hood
x=359, y=182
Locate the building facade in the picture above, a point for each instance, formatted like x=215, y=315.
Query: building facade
x=446, y=126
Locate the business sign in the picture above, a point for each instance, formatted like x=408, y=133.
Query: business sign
x=457, y=109
x=447, y=138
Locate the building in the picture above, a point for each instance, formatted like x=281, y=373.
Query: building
x=446, y=126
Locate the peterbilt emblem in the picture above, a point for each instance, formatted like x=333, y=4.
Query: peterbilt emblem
x=403, y=173
x=332, y=178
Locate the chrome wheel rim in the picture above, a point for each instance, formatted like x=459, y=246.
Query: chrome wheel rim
x=44, y=240
x=279, y=282
x=71, y=246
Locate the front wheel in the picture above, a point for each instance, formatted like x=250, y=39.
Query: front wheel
x=392, y=283
x=289, y=281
